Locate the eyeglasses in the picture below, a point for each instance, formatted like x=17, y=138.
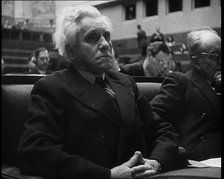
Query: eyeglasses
x=44, y=59
x=211, y=54
x=215, y=55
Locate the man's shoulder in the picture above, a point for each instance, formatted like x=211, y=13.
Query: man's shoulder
x=133, y=69
x=177, y=78
x=183, y=76
x=53, y=79
x=119, y=76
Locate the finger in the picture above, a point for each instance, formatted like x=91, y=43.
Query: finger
x=134, y=159
x=141, y=168
x=140, y=158
x=145, y=174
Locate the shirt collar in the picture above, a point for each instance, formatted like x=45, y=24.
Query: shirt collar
x=90, y=76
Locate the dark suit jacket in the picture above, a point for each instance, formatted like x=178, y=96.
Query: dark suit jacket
x=134, y=69
x=142, y=38
x=194, y=109
x=74, y=128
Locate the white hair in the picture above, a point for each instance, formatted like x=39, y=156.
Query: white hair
x=68, y=22
x=196, y=40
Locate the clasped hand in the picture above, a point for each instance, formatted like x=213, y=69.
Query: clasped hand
x=136, y=167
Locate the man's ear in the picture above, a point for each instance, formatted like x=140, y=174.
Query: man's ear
x=194, y=60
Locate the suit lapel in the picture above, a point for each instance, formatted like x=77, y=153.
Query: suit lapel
x=88, y=94
x=126, y=102
x=207, y=91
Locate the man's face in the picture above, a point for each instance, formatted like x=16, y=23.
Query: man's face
x=163, y=62
x=43, y=60
x=94, y=50
x=210, y=59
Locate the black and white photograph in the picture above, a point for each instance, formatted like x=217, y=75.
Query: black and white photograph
x=111, y=89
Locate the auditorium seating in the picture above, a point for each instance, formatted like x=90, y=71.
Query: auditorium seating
x=17, y=46
x=15, y=99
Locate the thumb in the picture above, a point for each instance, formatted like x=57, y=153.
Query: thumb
x=135, y=159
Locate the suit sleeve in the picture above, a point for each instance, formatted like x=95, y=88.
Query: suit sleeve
x=41, y=151
x=161, y=137
x=166, y=106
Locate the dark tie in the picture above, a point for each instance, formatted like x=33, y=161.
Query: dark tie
x=103, y=84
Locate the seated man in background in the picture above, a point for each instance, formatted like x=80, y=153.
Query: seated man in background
x=156, y=64
x=191, y=101
x=88, y=121
x=39, y=61
x=2, y=65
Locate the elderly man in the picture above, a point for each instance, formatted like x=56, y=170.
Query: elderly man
x=154, y=65
x=191, y=101
x=89, y=121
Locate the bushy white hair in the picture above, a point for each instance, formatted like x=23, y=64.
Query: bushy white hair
x=196, y=40
x=67, y=25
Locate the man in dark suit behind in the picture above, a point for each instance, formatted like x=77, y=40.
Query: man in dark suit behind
x=191, y=101
x=142, y=40
x=89, y=121
x=156, y=64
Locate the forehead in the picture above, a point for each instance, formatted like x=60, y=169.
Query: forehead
x=162, y=56
x=88, y=23
x=211, y=42
x=43, y=53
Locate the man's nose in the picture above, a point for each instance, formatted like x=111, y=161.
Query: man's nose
x=104, y=44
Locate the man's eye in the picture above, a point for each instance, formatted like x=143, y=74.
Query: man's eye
x=92, y=38
x=215, y=54
x=107, y=36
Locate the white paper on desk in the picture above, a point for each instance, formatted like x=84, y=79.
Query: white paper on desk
x=196, y=164
x=212, y=162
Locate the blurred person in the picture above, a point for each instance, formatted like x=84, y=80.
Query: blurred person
x=157, y=36
x=183, y=48
x=39, y=61
x=25, y=24
x=142, y=40
x=190, y=100
x=2, y=65
x=170, y=41
x=156, y=64
x=172, y=64
x=7, y=25
x=31, y=63
x=88, y=121
x=16, y=26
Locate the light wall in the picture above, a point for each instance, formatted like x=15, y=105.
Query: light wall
x=169, y=23
x=60, y=5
